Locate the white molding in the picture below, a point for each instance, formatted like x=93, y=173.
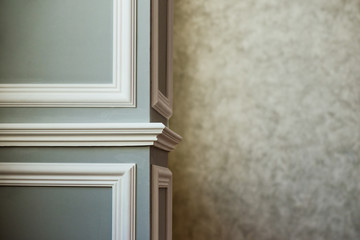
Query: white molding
x=161, y=103
x=161, y=178
x=88, y=134
x=120, y=93
x=120, y=177
x=79, y=134
x=167, y=140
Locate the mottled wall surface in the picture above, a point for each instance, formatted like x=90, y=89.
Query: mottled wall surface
x=267, y=98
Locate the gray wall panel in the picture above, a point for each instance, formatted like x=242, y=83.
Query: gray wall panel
x=56, y=213
x=139, y=114
x=56, y=41
x=138, y=155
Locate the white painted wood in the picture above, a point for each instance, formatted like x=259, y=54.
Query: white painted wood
x=120, y=93
x=79, y=134
x=167, y=140
x=161, y=103
x=120, y=177
x=88, y=134
x=161, y=178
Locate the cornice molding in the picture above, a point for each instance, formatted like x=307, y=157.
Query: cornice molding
x=167, y=140
x=88, y=134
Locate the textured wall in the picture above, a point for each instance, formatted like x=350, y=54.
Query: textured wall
x=267, y=98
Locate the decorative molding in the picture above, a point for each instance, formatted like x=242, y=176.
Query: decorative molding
x=161, y=103
x=167, y=140
x=120, y=177
x=120, y=93
x=79, y=134
x=88, y=134
x=161, y=178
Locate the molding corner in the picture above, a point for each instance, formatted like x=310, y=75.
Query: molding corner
x=167, y=140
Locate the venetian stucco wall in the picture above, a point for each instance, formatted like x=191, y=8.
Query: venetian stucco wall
x=267, y=98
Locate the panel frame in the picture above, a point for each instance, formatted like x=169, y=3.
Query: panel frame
x=163, y=104
x=161, y=178
x=120, y=177
x=120, y=93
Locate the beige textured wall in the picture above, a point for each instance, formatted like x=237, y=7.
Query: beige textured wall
x=267, y=98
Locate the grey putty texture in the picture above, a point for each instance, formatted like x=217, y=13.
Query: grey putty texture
x=267, y=99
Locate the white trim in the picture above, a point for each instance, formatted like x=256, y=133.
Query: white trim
x=167, y=140
x=120, y=93
x=79, y=134
x=88, y=134
x=161, y=103
x=120, y=177
x=161, y=178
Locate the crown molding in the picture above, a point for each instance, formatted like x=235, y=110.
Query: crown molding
x=167, y=140
x=88, y=134
x=79, y=134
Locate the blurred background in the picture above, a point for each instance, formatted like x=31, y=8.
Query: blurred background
x=267, y=99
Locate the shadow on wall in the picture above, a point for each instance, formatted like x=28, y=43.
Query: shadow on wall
x=267, y=99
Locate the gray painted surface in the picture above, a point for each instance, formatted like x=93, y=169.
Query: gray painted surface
x=138, y=155
x=57, y=41
x=162, y=213
x=157, y=117
x=158, y=157
x=162, y=55
x=139, y=114
x=162, y=51
x=56, y=213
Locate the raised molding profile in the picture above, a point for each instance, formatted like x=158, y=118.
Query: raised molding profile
x=120, y=177
x=161, y=178
x=162, y=103
x=167, y=140
x=88, y=134
x=120, y=93
x=79, y=134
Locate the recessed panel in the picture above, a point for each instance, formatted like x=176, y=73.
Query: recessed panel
x=162, y=213
x=163, y=45
x=56, y=213
x=161, y=50
x=56, y=41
